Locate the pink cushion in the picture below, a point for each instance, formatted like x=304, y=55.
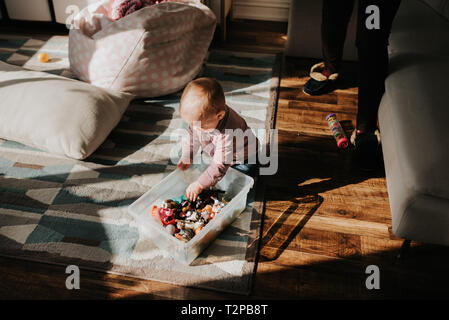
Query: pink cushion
x=152, y=52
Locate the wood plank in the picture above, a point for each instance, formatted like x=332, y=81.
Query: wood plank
x=298, y=94
x=343, y=225
x=348, y=108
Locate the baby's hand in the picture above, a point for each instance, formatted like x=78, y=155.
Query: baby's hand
x=184, y=164
x=193, y=190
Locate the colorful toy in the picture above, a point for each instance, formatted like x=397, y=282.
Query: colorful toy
x=122, y=8
x=337, y=131
x=183, y=218
x=43, y=57
x=167, y=216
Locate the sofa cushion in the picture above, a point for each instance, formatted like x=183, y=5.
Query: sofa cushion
x=418, y=28
x=415, y=137
x=441, y=6
x=162, y=47
x=418, y=99
x=56, y=114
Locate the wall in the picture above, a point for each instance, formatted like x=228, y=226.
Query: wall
x=61, y=7
x=36, y=10
x=304, y=31
x=215, y=6
x=269, y=10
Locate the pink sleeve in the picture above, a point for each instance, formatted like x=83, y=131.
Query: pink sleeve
x=190, y=145
x=221, y=162
x=214, y=173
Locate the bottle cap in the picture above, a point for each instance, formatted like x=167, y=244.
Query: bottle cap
x=343, y=143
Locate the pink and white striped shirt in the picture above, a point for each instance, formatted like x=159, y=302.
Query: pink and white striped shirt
x=232, y=142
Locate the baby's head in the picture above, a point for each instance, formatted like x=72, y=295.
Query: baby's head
x=203, y=102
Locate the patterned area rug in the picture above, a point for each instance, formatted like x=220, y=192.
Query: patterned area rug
x=63, y=211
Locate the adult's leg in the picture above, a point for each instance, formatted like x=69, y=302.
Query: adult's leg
x=335, y=18
x=372, y=48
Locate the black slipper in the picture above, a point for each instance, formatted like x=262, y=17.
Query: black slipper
x=319, y=83
x=316, y=88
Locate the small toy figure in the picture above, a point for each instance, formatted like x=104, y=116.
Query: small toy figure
x=166, y=215
x=43, y=57
x=185, y=235
x=337, y=131
x=171, y=229
x=205, y=216
x=217, y=206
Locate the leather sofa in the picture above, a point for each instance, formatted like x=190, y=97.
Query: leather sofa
x=414, y=122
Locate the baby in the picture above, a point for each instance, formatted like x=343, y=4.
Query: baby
x=218, y=129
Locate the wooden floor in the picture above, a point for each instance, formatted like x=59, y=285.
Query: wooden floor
x=325, y=222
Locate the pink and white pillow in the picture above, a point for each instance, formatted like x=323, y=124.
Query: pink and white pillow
x=154, y=51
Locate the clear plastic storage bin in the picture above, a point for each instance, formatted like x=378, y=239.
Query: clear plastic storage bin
x=236, y=186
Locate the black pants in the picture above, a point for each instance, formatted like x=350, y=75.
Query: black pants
x=372, y=47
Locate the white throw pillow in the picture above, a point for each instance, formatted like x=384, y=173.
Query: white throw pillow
x=56, y=114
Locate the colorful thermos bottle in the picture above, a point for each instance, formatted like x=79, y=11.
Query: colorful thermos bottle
x=337, y=131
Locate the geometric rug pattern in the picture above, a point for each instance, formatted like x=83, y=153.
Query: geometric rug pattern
x=59, y=210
